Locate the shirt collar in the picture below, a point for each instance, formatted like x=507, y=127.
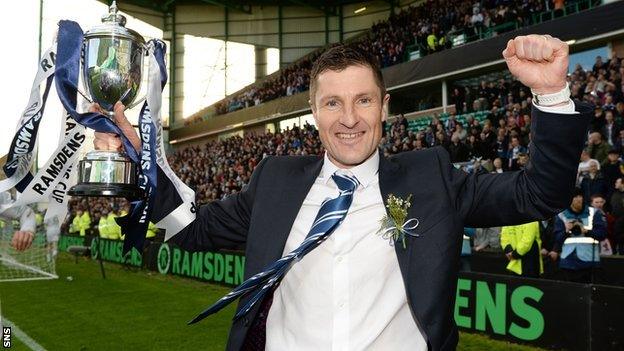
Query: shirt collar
x=365, y=172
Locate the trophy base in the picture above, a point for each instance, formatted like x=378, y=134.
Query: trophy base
x=107, y=174
x=130, y=192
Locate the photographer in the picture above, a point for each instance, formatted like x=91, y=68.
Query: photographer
x=577, y=232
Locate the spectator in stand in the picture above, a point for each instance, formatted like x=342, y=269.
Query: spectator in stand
x=523, y=160
x=501, y=147
x=457, y=98
x=599, y=120
x=584, y=164
x=576, y=228
x=515, y=149
x=522, y=245
x=617, y=209
x=598, y=202
x=598, y=65
x=475, y=148
x=498, y=165
x=597, y=148
x=594, y=183
x=457, y=150
x=549, y=257
x=611, y=130
x=460, y=132
x=612, y=170
x=619, y=142
x=558, y=7
x=450, y=124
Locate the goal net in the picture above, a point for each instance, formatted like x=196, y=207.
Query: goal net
x=37, y=262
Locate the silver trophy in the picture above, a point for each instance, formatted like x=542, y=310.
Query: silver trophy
x=112, y=67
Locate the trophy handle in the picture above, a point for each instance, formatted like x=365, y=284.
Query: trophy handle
x=145, y=47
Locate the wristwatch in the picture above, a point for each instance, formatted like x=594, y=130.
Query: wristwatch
x=552, y=99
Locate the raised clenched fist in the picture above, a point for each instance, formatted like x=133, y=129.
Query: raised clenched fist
x=538, y=61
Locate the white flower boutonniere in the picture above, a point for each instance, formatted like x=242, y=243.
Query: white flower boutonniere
x=394, y=226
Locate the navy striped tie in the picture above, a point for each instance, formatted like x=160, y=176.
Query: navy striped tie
x=332, y=212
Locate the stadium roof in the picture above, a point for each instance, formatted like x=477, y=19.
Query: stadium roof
x=327, y=6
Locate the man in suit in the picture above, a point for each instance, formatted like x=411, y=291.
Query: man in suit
x=355, y=291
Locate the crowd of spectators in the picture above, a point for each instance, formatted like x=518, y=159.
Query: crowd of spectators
x=291, y=80
x=93, y=208
x=220, y=168
x=433, y=25
x=430, y=26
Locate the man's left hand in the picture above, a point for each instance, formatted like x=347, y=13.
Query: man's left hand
x=22, y=240
x=538, y=61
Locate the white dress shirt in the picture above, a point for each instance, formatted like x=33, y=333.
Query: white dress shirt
x=348, y=293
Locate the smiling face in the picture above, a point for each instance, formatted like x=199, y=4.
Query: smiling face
x=348, y=107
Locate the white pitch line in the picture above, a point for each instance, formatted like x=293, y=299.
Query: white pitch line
x=23, y=337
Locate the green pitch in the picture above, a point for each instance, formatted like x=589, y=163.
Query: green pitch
x=133, y=310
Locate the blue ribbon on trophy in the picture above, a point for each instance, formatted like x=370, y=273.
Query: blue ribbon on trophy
x=141, y=211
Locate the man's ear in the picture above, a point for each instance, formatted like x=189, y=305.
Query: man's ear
x=384, y=107
x=313, y=108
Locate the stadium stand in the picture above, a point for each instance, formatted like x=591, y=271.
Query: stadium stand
x=414, y=32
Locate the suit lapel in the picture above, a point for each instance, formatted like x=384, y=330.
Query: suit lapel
x=292, y=192
x=390, y=176
x=294, y=189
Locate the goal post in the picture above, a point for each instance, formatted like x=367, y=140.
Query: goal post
x=35, y=263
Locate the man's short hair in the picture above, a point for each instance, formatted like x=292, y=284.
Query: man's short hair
x=577, y=192
x=341, y=56
x=595, y=196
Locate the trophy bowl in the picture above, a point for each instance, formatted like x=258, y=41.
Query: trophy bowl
x=112, y=65
x=112, y=70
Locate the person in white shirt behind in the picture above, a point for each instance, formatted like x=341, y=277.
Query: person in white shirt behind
x=498, y=165
x=584, y=164
x=22, y=238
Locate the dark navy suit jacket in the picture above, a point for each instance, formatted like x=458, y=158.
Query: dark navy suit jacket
x=444, y=199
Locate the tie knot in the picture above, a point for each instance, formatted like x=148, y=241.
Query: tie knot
x=345, y=182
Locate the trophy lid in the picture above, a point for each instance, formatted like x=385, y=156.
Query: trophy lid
x=113, y=24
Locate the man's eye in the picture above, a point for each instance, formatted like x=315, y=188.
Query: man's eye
x=332, y=103
x=365, y=101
